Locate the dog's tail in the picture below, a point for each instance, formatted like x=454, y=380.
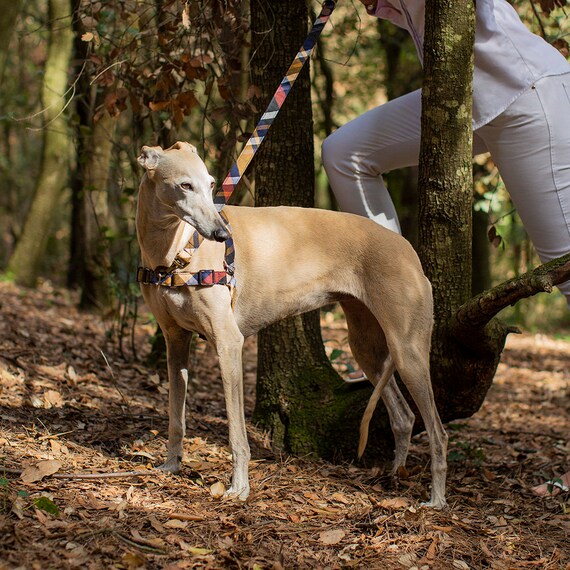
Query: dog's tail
x=372, y=403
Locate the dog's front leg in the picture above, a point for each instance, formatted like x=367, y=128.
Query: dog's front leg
x=177, y=353
x=229, y=349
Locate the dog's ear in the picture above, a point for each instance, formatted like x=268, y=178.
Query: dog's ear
x=183, y=145
x=150, y=157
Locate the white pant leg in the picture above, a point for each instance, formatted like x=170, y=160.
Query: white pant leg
x=530, y=144
x=357, y=155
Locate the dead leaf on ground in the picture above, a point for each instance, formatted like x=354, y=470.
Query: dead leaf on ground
x=53, y=399
x=332, y=536
x=395, y=503
x=217, y=490
x=37, y=472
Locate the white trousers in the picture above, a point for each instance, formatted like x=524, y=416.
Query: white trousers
x=529, y=143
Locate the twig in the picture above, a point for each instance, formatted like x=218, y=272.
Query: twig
x=114, y=475
x=125, y=401
x=89, y=476
x=136, y=544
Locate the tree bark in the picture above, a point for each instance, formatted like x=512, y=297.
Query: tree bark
x=89, y=265
x=10, y=10
x=24, y=262
x=96, y=290
x=461, y=371
x=295, y=378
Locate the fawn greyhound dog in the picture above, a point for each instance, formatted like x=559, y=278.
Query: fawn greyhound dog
x=288, y=261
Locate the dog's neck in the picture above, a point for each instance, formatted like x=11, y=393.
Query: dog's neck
x=161, y=234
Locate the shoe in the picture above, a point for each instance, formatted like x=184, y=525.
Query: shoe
x=356, y=377
x=553, y=487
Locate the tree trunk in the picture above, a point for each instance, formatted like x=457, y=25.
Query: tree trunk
x=295, y=378
x=24, y=262
x=461, y=371
x=10, y=9
x=89, y=264
x=96, y=290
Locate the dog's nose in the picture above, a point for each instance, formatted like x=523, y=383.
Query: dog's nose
x=221, y=234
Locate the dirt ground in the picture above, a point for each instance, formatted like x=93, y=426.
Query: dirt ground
x=71, y=403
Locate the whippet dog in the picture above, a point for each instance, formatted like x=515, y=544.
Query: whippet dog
x=330, y=256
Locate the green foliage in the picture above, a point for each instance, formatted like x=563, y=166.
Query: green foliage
x=465, y=452
x=47, y=505
x=10, y=495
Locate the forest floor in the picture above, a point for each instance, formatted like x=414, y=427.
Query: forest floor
x=72, y=402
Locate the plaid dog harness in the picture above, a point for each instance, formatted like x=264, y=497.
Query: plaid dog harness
x=175, y=275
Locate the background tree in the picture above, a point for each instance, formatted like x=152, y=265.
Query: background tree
x=10, y=10
x=31, y=246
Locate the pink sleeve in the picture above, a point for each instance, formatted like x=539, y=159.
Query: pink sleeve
x=386, y=11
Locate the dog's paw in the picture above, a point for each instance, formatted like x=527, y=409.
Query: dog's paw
x=171, y=465
x=435, y=504
x=239, y=494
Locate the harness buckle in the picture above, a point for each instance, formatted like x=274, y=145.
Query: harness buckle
x=178, y=263
x=143, y=275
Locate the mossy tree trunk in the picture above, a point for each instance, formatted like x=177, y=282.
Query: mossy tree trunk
x=462, y=368
x=25, y=260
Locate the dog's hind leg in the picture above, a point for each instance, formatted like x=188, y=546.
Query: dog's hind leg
x=411, y=358
x=368, y=346
x=401, y=420
x=177, y=353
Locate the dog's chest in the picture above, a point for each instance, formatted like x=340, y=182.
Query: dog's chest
x=175, y=304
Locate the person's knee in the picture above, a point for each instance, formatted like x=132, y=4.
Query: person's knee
x=331, y=152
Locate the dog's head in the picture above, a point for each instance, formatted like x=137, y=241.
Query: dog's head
x=184, y=185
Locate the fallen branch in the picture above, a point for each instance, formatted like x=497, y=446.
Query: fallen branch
x=482, y=308
x=114, y=475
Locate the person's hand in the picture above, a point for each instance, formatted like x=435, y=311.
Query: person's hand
x=369, y=4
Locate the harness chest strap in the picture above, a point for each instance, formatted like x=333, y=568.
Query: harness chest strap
x=176, y=276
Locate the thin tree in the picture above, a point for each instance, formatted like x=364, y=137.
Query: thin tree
x=10, y=10
x=25, y=260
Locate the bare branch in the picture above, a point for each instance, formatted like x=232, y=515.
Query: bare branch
x=481, y=309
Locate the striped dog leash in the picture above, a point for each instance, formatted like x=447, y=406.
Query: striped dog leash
x=174, y=276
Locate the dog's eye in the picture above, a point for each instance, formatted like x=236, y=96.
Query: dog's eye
x=186, y=186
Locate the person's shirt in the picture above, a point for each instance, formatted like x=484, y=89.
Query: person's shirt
x=508, y=57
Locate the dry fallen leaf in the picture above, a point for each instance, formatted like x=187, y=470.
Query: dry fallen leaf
x=408, y=560
x=331, y=536
x=195, y=551
x=18, y=506
x=175, y=523
x=217, y=490
x=42, y=469
x=53, y=399
x=394, y=504
x=341, y=498
x=133, y=560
